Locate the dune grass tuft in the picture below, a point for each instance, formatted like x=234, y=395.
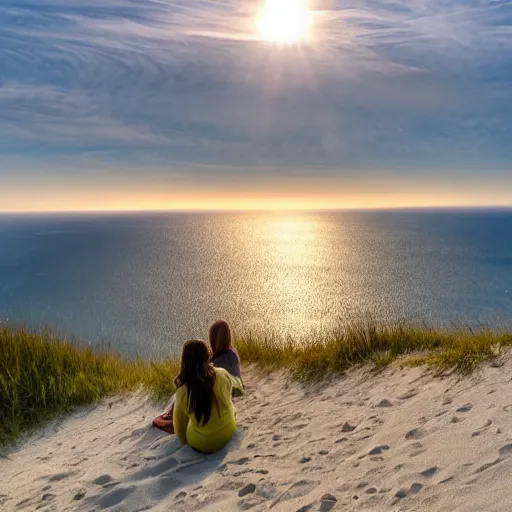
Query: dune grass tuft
x=369, y=343
x=43, y=376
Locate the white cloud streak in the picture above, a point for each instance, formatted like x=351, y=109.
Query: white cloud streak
x=181, y=81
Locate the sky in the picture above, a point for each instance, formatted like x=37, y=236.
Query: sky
x=182, y=104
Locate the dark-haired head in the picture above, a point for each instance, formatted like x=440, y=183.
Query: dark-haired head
x=220, y=337
x=198, y=375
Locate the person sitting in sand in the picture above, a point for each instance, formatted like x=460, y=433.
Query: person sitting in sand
x=225, y=356
x=203, y=413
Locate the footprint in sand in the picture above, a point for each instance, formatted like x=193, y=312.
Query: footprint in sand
x=61, y=476
x=298, y=426
x=265, y=456
x=482, y=429
x=414, y=489
x=416, y=433
x=417, y=452
x=384, y=403
x=24, y=503
x=79, y=495
x=239, y=462
x=487, y=466
x=465, y=408
x=102, y=480
x=246, y=489
x=242, y=472
x=504, y=453
x=327, y=502
x=430, y=472
x=378, y=449
x=408, y=394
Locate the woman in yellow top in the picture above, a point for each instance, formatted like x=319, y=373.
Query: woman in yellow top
x=203, y=416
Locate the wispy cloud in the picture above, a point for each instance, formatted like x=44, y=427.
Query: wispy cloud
x=382, y=84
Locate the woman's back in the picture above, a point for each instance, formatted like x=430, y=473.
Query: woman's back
x=220, y=427
x=229, y=360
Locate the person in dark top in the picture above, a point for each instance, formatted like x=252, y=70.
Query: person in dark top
x=224, y=355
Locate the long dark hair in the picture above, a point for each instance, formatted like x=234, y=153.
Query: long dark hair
x=198, y=375
x=219, y=336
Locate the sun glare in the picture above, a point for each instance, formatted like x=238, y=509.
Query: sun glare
x=284, y=21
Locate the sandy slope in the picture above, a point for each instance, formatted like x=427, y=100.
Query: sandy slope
x=401, y=440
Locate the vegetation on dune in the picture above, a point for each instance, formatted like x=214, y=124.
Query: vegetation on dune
x=43, y=376
x=335, y=352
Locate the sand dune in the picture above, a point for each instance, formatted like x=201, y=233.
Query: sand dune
x=399, y=440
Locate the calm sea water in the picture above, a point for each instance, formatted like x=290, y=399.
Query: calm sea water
x=143, y=283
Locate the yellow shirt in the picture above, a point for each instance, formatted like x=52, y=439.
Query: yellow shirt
x=221, y=426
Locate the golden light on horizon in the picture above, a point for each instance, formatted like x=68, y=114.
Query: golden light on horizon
x=107, y=194
x=284, y=21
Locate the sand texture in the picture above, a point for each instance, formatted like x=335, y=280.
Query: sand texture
x=399, y=440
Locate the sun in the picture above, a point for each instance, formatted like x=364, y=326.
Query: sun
x=284, y=21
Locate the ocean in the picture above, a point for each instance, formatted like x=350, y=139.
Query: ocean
x=142, y=283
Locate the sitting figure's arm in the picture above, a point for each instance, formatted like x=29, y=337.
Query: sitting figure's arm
x=180, y=417
x=238, y=386
x=230, y=361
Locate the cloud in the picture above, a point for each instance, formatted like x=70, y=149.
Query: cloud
x=383, y=84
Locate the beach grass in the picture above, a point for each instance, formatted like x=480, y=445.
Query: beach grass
x=332, y=353
x=43, y=376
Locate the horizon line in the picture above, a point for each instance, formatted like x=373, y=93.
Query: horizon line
x=259, y=210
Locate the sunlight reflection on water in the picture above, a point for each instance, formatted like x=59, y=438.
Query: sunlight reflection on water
x=144, y=283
